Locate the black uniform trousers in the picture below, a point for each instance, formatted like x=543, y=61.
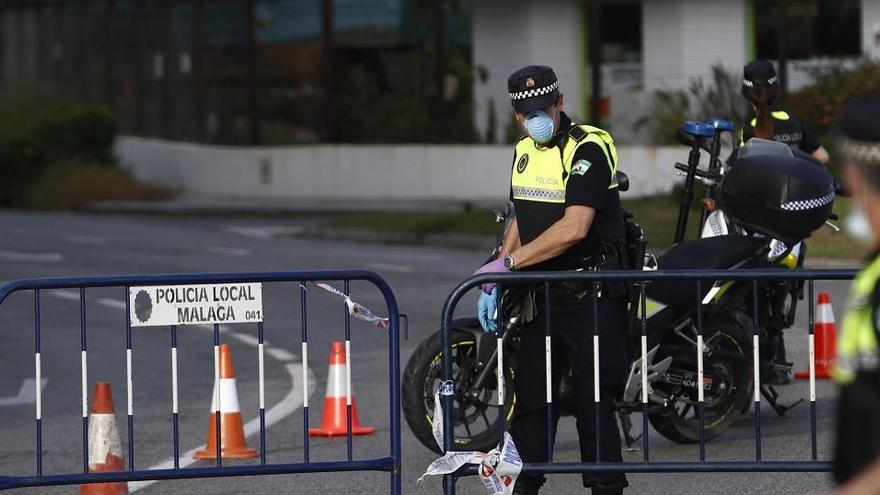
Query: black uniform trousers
x=572, y=336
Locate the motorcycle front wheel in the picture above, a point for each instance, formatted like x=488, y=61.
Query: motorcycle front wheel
x=727, y=386
x=476, y=417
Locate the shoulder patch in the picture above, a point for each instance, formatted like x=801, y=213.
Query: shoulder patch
x=580, y=167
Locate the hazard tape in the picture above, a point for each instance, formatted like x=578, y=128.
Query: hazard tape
x=354, y=309
x=498, y=468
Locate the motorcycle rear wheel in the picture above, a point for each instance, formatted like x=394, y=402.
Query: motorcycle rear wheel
x=729, y=360
x=476, y=419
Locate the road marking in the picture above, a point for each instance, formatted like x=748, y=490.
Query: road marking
x=266, y=232
x=74, y=296
x=27, y=394
x=30, y=257
x=113, y=303
x=231, y=251
x=86, y=239
x=389, y=267
x=281, y=354
x=66, y=294
x=287, y=406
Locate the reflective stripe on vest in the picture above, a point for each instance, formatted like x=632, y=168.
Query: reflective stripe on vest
x=857, y=344
x=541, y=174
x=778, y=115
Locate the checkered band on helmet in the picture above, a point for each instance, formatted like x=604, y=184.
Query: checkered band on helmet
x=522, y=95
x=808, y=204
x=865, y=152
x=750, y=84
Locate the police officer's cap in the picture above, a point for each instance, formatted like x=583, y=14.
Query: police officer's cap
x=859, y=130
x=533, y=88
x=760, y=73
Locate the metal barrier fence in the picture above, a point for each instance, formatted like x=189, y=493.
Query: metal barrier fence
x=391, y=463
x=640, y=279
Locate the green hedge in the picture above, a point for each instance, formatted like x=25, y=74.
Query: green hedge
x=819, y=105
x=32, y=140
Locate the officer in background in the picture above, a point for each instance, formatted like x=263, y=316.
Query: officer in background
x=857, y=450
x=568, y=216
x=760, y=87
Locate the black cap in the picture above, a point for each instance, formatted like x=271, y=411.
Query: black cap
x=859, y=129
x=759, y=72
x=533, y=88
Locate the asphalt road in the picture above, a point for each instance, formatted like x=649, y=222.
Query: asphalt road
x=57, y=244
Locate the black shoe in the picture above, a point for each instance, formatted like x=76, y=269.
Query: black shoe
x=609, y=489
x=525, y=489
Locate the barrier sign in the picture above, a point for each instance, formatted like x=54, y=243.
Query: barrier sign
x=195, y=304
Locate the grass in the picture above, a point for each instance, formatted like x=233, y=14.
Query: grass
x=656, y=215
x=73, y=184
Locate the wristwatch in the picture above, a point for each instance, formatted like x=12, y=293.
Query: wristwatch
x=508, y=262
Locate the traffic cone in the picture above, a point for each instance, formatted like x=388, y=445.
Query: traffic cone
x=105, y=451
x=233, y=442
x=335, y=418
x=825, y=335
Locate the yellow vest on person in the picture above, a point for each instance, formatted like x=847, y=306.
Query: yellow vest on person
x=541, y=174
x=857, y=344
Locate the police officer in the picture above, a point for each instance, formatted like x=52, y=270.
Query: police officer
x=760, y=87
x=857, y=451
x=568, y=216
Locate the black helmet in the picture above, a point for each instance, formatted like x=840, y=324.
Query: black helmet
x=858, y=131
x=759, y=73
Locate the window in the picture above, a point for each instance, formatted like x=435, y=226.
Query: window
x=814, y=28
x=621, y=32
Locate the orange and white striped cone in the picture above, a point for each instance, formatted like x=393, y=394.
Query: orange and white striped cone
x=233, y=444
x=105, y=451
x=825, y=338
x=334, y=422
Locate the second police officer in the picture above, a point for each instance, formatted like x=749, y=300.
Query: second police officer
x=568, y=216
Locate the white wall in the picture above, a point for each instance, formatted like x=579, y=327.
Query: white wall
x=510, y=35
x=683, y=39
x=475, y=173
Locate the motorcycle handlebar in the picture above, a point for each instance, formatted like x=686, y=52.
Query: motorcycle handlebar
x=699, y=173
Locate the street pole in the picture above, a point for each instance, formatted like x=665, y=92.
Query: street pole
x=782, y=47
x=440, y=117
x=595, y=48
x=166, y=17
x=109, y=92
x=252, y=85
x=199, y=71
x=328, y=98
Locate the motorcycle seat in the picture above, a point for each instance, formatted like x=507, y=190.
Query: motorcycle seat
x=712, y=253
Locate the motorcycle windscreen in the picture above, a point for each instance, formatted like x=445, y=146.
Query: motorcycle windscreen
x=712, y=253
x=783, y=197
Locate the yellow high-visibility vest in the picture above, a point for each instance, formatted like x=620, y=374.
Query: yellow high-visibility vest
x=541, y=174
x=857, y=343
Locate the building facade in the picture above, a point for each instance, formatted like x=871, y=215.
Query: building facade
x=650, y=45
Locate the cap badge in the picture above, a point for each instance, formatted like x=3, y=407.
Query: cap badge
x=530, y=82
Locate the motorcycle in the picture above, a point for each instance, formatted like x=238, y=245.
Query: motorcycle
x=670, y=324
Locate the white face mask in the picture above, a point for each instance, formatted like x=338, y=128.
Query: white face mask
x=857, y=225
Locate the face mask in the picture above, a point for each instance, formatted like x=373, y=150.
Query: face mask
x=857, y=225
x=539, y=125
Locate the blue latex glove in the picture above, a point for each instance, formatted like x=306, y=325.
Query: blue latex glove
x=487, y=305
x=495, y=266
